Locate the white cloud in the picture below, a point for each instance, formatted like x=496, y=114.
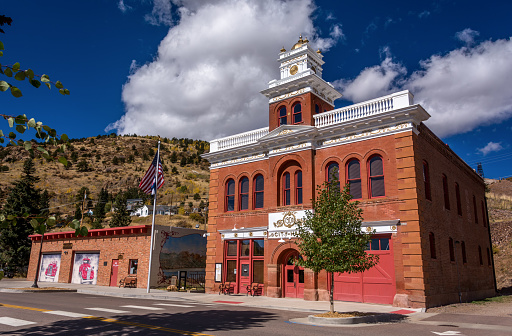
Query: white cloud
x=462, y=89
x=491, y=147
x=122, y=6
x=205, y=80
x=424, y=14
x=467, y=36
x=161, y=13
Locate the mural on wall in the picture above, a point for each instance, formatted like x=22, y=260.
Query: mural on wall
x=181, y=250
x=50, y=267
x=85, y=268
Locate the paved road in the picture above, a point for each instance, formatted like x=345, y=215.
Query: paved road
x=79, y=314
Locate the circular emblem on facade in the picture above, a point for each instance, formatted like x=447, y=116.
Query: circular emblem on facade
x=250, y=234
x=393, y=228
x=222, y=236
x=293, y=70
x=236, y=234
x=369, y=229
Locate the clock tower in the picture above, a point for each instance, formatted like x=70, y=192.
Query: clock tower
x=301, y=92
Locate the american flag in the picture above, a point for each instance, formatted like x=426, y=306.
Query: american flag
x=148, y=181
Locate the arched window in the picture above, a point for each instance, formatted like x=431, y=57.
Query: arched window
x=432, y=242
x=259, y=188
x=426, y=180
x=333, y=173
x=286, y=189
x=317, y=109
x=484, y=213
x=457, y=196
x=282, y=116
x=298, y=187
x=243, y=198
x=446, y=193
x=297, y=113
x=488, y=257
x=354, y=178
x=376, y=177
x=474, y=209
x=230, y=195
x=452, y=250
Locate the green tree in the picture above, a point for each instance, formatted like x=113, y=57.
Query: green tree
x=23, y=200
x=183, y=161
x=82, y=166
x=197, y=197
x=330, y=236
x=174, y=157
x=99, y=211
x=115, y=160
x=121, y=215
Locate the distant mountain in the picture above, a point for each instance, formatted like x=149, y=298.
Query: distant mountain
x=116, y=163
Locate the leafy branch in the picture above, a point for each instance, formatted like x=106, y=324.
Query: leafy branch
x=19, y=74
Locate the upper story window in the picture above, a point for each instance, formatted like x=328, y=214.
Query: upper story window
x=244, y=194
x=317, y=109
x=480, y=255
x=376, y=177
x=282, y=116
x=446, y=193
x=286, y=189
x=230, y=195
x=426, y=180
x=298, y=187
x=333, y=173
x=463, y=250
x=474, y=209
x=297, y=113
x=484, y=213
x=259, y=188
x=354, y=178
x=457, y=196
x=432, y=242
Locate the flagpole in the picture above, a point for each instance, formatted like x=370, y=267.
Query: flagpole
x=154, y=212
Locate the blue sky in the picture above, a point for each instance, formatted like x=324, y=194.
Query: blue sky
x=194, y=68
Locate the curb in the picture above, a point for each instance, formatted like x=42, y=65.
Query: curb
x=64, y=290
x=377, y=318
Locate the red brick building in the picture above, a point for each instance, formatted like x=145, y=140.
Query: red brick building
x=106, y=256
x=426, y=205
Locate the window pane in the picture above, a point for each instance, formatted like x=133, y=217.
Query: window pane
x=375, y=244
x=259, y=185
x=231, y=187
x=258, y=200
x=299, y=196
x=299, y=179
x=333, y=172
x=231, y=203
x=287, y=181
x=287, y=197
x=301, y=276
x=133, y=266
x=317, y=109
x=376, y=166
x=244, y=185
x=259, y=248
x=245, y=248
x=230, y=270
x=282, y=111
x=231, y=248
x=377, y=186
x=289, y=275
x=297, y=118
x=384, y=244
x=257, y=271
x=244, y=201
x=355, y=189
x=353, y=170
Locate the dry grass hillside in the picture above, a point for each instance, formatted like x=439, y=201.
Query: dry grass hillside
x=115, y=163
x=499, y=201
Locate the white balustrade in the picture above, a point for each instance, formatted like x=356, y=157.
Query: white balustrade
x=237, y=140
x=365, y=109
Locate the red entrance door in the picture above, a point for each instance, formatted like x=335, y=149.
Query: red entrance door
x=293, y=277
x=113, y=273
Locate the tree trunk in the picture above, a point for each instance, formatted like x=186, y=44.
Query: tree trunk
x=331, y=293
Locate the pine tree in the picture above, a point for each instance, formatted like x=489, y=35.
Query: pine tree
x=23, y=198
x=99, y=212
x=121, y=215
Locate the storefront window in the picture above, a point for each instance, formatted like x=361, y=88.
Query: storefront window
x=257, y=269
x=133, y=266
x=246, y=250
x=259, y=248
x=231, y=270
x=232, y=248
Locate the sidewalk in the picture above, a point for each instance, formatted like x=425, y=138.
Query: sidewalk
x=238, y=299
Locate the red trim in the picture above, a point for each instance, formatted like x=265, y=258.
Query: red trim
x=125, y=230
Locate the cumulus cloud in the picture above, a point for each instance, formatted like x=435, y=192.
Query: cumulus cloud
x=161, y=13
x=462, y=89
x=467, y=36
x=491, y=147
x=205, y=79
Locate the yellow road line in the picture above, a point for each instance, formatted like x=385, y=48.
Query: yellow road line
x=110, y=320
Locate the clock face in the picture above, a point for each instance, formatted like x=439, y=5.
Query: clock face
x=293, y=70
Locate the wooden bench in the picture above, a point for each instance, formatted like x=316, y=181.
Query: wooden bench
x=227, y=288
x=128, y=281
x=254, y=289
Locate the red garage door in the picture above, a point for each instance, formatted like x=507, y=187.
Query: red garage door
x=376, y=285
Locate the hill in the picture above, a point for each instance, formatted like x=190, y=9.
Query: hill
x=499, y=202
x=116, y=163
